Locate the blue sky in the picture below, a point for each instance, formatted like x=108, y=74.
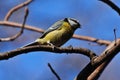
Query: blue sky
x=97, y=19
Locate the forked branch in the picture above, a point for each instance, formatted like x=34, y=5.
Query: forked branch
x=19, y=33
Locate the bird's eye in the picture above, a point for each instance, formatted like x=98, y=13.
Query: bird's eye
x=66, y=19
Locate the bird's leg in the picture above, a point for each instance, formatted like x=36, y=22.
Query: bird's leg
x=49, y=43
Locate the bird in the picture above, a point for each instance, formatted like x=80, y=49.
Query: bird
x=58, y=34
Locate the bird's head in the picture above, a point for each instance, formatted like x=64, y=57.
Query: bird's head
x=73, y=22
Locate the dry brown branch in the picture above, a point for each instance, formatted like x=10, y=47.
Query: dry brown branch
x=98, y=71
x=15, y=9
x=53, y=71
x=19, y=33
x=32, y=28
x=91, y=39
x=59, y=50
x=109, y=54
x=111, y=50
x=18, y=25
x=112, y=5
x=101, y=60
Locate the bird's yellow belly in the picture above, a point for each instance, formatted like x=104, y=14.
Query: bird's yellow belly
x=58, y=37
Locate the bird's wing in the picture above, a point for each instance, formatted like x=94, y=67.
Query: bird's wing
x=52, y=28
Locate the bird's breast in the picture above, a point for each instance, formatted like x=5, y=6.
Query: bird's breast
x=59, y=37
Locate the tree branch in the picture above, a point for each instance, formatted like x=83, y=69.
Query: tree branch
x=59, y=50
x=15, y=9
x=110, y=51
x=92, y=39
x=53, y=71
x=98, y=71
x=109, y=54
x=104, y=58
x=18, y=25
x=19, y=33
x=112, y=5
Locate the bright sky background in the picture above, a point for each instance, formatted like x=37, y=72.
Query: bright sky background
x=97, y=19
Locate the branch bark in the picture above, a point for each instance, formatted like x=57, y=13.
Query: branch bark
x=59, y=50
x=19, y=33
x=15, y=9
x=112, y=5
x=111, y=51
x=100, y=62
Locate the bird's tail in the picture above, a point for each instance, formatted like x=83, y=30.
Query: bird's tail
x=31, y=44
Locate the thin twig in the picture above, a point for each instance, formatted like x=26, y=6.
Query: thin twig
x=53, y=71
x=15, y=9
x=26, y=14
x=19, y=33
x=115, y=35
x=112, y=5
x=92, y=39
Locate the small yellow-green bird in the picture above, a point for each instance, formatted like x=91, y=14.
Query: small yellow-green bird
x=58, y=34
